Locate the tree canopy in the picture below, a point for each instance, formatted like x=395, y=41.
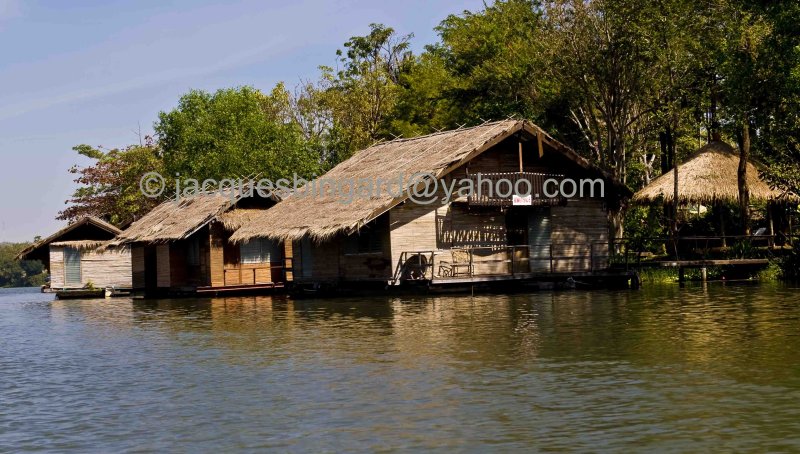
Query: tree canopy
x=634, y=86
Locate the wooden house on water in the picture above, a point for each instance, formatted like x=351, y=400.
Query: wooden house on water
x=182, y=247
x=77, y=257
x=346, y=232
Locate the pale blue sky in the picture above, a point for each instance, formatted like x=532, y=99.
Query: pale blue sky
x=92, y=71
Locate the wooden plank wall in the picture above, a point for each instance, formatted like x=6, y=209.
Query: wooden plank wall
x=288, y=261
x=476, y=228
x=56, y=267
x=163, y=266
x=325, y=259
x=233, y=272
x=216, y=260
x=373, y=265
x=413, y=227
x=580, y=221
x=137, y=266
x=110, y=268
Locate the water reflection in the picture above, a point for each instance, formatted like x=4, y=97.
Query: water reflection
x=714, y=367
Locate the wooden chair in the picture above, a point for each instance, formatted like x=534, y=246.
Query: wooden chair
x=460, y=264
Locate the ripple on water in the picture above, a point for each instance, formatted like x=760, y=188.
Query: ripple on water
x=714, y=368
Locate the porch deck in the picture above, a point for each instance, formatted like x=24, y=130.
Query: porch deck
x=551, y=262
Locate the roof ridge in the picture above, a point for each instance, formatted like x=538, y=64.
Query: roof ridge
x=449, y=131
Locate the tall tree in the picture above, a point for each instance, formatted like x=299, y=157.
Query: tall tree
x=110, y=188
x=496, y=59
x=235, y=132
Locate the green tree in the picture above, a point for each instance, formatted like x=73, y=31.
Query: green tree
x=13, y=273
x=110, y=188
x=496, y=59
x=234, y=132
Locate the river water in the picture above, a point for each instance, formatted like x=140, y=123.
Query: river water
x=713, y=368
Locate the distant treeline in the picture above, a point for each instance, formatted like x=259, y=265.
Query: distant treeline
x=26, y=273
x=635, y=86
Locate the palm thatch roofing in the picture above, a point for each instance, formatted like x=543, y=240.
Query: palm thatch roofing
x=710, y=175
x=86, y=228
x=83, y=245
x=177, y=220
x=327, y=212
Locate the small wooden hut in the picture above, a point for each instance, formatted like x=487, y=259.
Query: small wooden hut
x=77, y=256
x=710, y=177
x=182, y=247
x=389, y=237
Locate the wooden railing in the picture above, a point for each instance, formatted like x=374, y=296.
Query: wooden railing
x=521, y=260
x=488, y=192
x=253, y=274
x=638, y=252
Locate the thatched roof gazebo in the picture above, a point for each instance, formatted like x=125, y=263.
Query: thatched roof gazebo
x=709, y=176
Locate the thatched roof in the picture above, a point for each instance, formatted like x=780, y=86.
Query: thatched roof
x=83, y=245
x=325, y=214
x=177, y=220
x=710, y=175
x=87, y=228
x=237, y=217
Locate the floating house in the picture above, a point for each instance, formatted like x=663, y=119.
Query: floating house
x=364, y=221
x=182, y=247
x=78, y=257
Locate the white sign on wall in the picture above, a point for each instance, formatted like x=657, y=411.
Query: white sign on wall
x=522, y=200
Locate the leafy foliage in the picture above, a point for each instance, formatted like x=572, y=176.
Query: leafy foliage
x=234, y=132
x=26, y=273
x=109, y=188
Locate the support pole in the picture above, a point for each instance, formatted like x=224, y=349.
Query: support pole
x=771, y=226
x=520, y=156
x=722, y=223
x=704, y=274
x=539, y=141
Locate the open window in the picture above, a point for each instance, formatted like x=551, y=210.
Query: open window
x=260, y=250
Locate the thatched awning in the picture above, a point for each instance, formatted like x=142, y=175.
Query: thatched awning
x=237, y=217
x=326, y=213
x=88, y=226
x=81, y=245
x=710, y=175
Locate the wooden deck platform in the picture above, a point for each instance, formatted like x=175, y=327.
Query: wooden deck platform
x=240, y=288
x=707, y=263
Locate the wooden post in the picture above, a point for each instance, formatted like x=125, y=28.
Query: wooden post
x=539, y=142
x=520, y=156
x=703, y=274
x=722, y=224
x=771, y=226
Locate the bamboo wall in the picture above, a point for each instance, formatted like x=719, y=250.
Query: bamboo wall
x=225, y=267
x=581, y=221
x=137, y=266
x=110, y=268
x=163, y=266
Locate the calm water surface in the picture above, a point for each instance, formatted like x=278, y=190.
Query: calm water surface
x=664, y=368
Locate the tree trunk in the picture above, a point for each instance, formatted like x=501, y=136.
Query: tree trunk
x=744, y=191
